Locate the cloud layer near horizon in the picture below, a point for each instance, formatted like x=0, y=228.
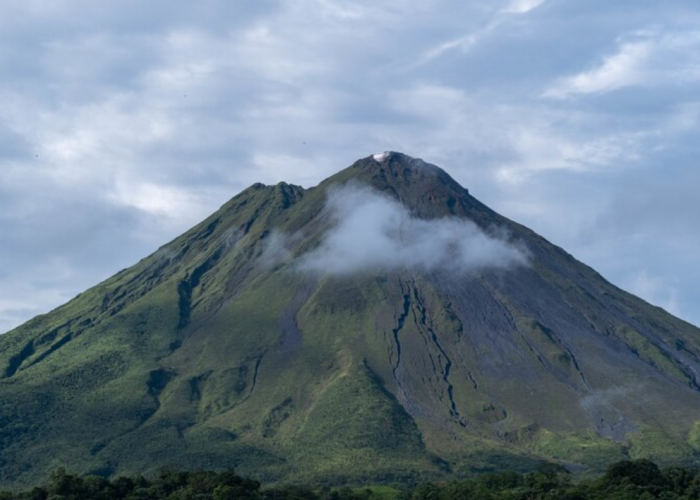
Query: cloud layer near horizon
x=123, y=124
x=374, y=232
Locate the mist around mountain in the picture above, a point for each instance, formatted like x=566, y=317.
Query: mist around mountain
x=382, y=327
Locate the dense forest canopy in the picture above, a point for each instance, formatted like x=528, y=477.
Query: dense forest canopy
x=632, y=480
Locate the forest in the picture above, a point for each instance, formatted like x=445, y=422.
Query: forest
x=629, y=480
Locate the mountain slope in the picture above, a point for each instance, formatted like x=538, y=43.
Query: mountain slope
x=239, y=344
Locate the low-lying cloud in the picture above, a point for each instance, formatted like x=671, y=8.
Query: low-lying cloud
x=375, y=232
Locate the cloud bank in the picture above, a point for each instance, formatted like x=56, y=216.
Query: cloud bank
x=124, y=124
x=374, y=232
x=646, y=58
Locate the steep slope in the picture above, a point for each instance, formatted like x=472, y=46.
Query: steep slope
x=223, y=349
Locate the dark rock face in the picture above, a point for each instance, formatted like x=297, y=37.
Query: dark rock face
x=220, y=350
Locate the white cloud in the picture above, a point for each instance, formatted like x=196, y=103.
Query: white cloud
x=523, y=6
x=645, y=58
x=344, y=12
x=374, y=232
x=463, y=43
x=628, y=66
x=125, y=116
x=468, y=41
x=541, y=150
x=155, y=199
x=517, y=140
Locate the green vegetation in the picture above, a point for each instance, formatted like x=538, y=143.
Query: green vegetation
x=587, y=449
x=217, y=352
x=629, y=480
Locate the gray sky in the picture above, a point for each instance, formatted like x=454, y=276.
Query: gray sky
x=124, y=123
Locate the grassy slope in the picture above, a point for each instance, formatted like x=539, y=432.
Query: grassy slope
x=178, y=362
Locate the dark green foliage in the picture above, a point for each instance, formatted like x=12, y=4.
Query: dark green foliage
x=629, y=480
x=171, y=485
x=641, y=473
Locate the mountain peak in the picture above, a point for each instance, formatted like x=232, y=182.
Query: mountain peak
x=426, y=189
x=395, y=157
x=380, y=157
x=297, y=328
x=396, y=167
x=398, y=159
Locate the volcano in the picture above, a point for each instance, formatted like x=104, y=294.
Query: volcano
x=382, y=327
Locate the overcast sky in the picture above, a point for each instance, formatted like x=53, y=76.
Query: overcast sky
x=124, y=123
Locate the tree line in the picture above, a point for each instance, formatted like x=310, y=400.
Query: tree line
x=630, y=480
